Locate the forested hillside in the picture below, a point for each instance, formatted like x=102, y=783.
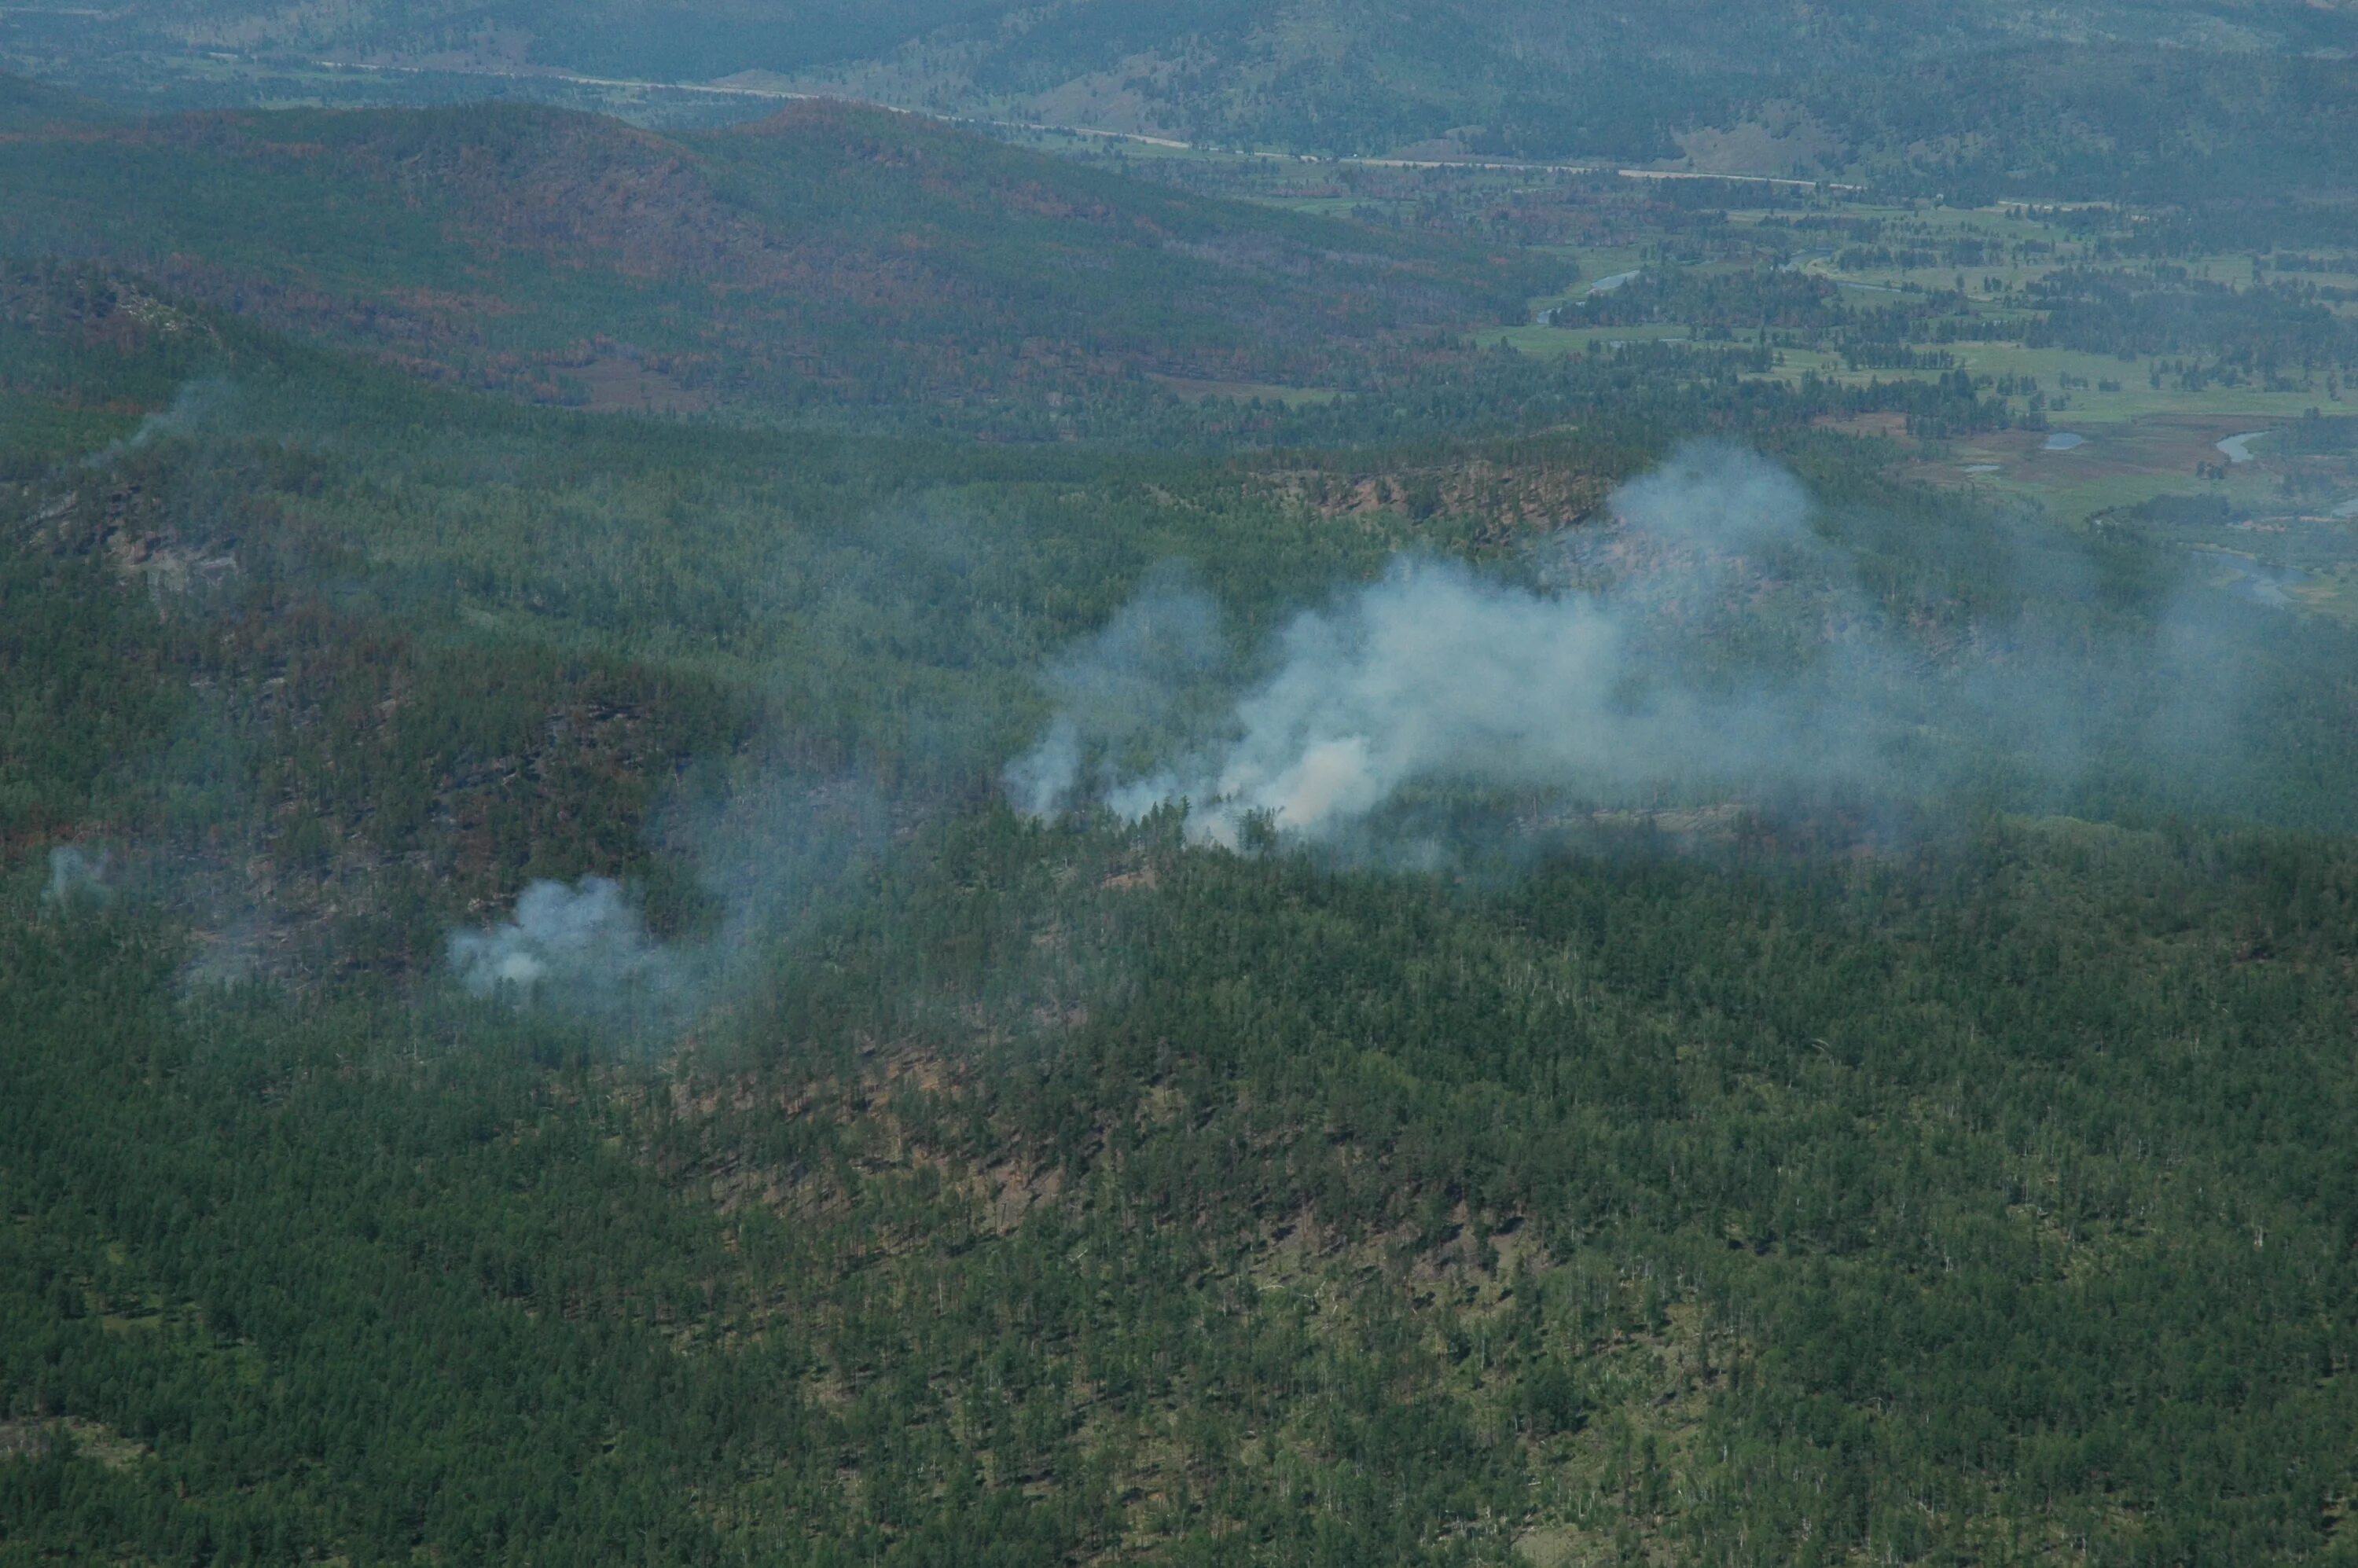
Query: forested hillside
x=826, y=255
x=879, y=1173
x=2171, y=96
x=826, y=842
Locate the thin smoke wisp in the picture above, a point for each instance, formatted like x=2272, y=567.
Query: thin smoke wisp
x=1117, y=687
x=77, y=877
x=195, y=404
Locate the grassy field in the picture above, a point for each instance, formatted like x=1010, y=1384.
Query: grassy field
x=2135, y=400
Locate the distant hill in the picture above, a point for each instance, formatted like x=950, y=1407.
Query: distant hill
x=1992, y=91
x=1986, y=93
x=706, y=37
x=850, y=254
x=29, y=106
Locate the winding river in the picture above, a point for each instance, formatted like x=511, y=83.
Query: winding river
x=2256, y=581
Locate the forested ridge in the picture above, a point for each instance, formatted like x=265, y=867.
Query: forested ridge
x=2171, y=98
x=829, y=256
x=1925, y=1141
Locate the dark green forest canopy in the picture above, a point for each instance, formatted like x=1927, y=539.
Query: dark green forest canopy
x=1044, y=1193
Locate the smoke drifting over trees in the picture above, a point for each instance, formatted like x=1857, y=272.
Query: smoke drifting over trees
x=586, y=934
x=766, y=862
x=77, y=877
x=1712, y=642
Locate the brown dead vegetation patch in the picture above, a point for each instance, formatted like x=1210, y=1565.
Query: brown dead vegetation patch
x=33, y=1438
x=1505, y=499
x=615, y=384
x=1886, y=427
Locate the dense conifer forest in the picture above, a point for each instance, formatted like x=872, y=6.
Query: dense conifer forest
x=835, y=842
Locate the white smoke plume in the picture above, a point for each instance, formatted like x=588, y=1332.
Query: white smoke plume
x=586, y=936
x=768, y=859
x=1435, y=675
x=1428, y=674
x=1707, y=645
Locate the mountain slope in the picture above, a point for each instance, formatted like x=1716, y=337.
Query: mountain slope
x=1022, y=1193
x=854, y=253
x=2120, y=89
x=2240, y=90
